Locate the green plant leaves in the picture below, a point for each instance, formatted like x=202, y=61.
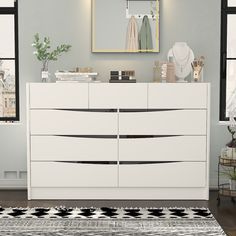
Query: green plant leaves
x=230, y=173
x=42, y=49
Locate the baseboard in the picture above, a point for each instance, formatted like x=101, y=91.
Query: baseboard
x=119, y=193
x=21, y=184
x=214, y=183
x=13, y=184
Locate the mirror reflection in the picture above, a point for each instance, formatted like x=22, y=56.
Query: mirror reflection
x=125, y=26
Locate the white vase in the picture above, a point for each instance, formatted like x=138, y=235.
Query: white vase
x=44, y=72
x=232, y=184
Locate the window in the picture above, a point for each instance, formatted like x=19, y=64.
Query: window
x=9, y=71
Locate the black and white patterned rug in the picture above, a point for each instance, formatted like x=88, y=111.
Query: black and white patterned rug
x=108, y=222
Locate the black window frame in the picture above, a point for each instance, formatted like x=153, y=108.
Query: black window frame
x=14, y=11
x=225, y=11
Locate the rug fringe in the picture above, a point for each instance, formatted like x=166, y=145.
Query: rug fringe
x=97, y=208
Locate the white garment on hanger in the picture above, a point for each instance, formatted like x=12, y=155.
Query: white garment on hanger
x=132, y=35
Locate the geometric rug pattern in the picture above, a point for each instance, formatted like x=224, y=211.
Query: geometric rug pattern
x=108, y=222
x=105, y=212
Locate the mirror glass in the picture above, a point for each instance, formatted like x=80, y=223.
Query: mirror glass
x=130, y=26
x=232, y=3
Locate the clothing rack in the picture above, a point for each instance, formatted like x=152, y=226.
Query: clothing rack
x=138, y=16
x=142, y=0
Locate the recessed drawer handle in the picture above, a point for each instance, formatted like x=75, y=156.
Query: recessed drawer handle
x=149, y=110
x=88, y=110
x=90, y=162
x=147, y=136
x=147, y=162
x=89, y=136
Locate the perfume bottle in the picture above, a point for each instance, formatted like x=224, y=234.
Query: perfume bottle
x=170, y=75
x=157, y=72
x=164, y=71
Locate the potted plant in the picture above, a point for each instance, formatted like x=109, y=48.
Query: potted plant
x=231, y=174
x=43, y=54
x=231, y=146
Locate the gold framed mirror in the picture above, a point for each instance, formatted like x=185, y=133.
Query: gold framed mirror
x=125, y=26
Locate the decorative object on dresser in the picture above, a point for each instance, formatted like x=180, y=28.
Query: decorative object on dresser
x=129, y=128
x=170, y=74
x=182, y=56
x=42, y=53
x=126, y=76
x=67, y=76
x=157, y=72
x=163, y=72
x=197, y=66
x=84, y=69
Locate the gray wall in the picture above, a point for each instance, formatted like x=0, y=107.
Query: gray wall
x=196, y=22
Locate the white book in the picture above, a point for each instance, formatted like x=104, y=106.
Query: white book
x=76, y=81
x=58, y=73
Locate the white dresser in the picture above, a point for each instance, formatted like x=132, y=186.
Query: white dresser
x=118, y=141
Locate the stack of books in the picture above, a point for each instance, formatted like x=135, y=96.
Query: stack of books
x=66, y=76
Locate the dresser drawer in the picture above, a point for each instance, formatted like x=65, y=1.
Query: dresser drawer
x=177, y=95
x=173, y=122
x=59, y=95
x=126, y=96
x=181, y=148
x=65, y=122
x=164, y=175
x=55, y=148
x=54, y=174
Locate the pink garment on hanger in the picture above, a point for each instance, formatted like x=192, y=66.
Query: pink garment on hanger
x=132, y=43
